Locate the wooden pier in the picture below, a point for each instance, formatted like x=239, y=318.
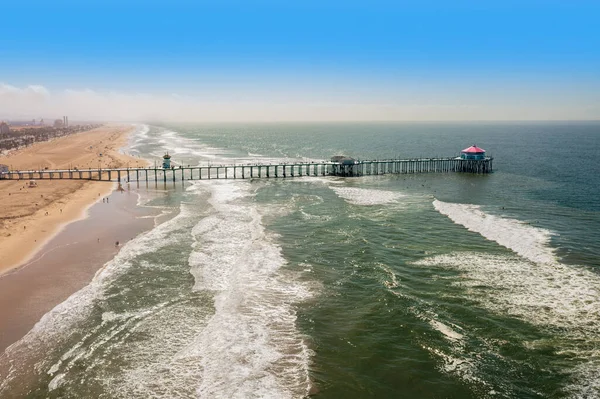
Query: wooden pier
x=267, y=170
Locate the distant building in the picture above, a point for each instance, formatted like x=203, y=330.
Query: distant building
x=3, y=168
x=343, y=166
x=4, y=128
x=59, y=123
x=473, y=152
x=343, y=160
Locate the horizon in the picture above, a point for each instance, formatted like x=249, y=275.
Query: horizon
x=334, y=62
x=48, y=122
x=23, y=122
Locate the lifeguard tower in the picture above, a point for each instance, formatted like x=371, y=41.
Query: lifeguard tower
x=166, y=161
x=473, y=152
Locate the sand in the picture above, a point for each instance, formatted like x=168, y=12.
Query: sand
x=68, y=262
x=30, y=217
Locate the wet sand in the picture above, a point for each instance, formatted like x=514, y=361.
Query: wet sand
x=67, y=263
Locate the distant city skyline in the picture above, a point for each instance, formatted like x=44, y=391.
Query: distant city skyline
x=332, y=61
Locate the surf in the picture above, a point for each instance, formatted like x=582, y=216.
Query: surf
x=530, y=242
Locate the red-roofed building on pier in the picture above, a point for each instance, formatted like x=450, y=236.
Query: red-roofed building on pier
x=473, y=152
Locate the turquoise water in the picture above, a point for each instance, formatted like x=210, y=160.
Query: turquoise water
x=424, y=286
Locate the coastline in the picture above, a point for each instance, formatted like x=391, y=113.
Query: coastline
x=68, y=262
x=34, y=216
x=59, y=253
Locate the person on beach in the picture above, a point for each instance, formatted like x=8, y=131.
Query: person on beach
x=117, y=244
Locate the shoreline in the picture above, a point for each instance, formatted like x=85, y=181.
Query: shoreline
x=68, y=262
x=35, y=216
x=81, y=201
x=59, y=253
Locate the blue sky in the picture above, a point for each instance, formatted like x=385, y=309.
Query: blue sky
x=440, y=54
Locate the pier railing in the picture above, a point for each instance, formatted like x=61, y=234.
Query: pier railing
x=264, y=170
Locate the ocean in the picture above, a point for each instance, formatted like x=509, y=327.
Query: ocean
x=395, y=286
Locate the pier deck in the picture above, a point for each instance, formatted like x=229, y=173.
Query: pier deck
x=265, y=170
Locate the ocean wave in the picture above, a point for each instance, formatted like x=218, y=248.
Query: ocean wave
x=365, y=196
x=528, y=241
x=554, y=295
x=142, y=131
x=250, y=347
x=451, y=345
x=62, y=324
x=563, y=300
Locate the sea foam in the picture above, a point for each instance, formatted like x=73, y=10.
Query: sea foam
x=535, y=288
x=365, y=196
x=528, y=241
x=250, y=347
x=60, y=325
x=564, y=300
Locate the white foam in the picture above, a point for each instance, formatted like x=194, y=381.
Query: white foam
x=139, y=137
x=446, y=330
x=547, y=295
x=250, y=346
x=142, y=131
x=528, y=241
x=56, y=382
x=365, y=196
x=169, y=134
x=59, y=324
x=564, y=300
x=452, y=355
x=310, y=216
x=172, y=142
x=463, y=367
x=393, y=280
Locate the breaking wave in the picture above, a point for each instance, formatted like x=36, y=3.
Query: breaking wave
x=563, y=300
x=528, y=241
x=250, y=346
x=365, y=196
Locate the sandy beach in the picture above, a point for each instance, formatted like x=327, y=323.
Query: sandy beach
x=68, y=262
x=32, y=216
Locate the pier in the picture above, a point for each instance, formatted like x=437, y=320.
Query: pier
x=344, y=167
